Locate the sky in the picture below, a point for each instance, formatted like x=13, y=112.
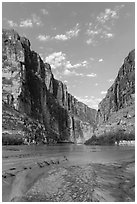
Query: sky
x=84, y=42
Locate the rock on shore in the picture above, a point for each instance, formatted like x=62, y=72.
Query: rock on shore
x=67, y=182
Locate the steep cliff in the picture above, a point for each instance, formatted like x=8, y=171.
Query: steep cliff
x=117, y=110
x=30, y=88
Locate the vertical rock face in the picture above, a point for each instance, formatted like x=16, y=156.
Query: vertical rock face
x=117, y=109
x=12, y=59
x=29, y=86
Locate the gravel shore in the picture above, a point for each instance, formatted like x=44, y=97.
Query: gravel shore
x=60, y=180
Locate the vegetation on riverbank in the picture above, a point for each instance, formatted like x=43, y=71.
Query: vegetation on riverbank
x=110, y=138
x=11, y=140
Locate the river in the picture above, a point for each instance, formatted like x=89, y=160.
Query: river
x=74, y=152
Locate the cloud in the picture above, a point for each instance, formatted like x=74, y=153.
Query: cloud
x=74, y=66
x=102, y=25
x=92, y=41
x=36, y=20
x=11, y=23
x=61, y=37
x=59, y=59
x=30, y=22
x=101, y=60
x=91, y=75
x=44, y=12
x=43, y=37
x=71, y=73
x=107, y=15
x=62, y=66
x=65, y=81
x=107, y=35
x=111, y=80
x=84, y=63
x=91, y=101
x=96, y=84
x=67, y=72
x=74, y=32
x=93, y=32
x=56, y=59
x=69, y=34
x=26, y=23
x=103, y=92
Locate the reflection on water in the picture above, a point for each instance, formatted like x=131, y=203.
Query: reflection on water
x=77, y=153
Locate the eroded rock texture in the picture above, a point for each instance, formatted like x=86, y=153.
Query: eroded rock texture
x=30, y=87
x=117, y=110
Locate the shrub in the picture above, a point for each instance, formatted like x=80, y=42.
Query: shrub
x=11, y=140
x=110, y=138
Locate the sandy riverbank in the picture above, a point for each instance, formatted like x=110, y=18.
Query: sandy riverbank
x=60, y=179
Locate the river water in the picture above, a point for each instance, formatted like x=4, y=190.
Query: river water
x=74, y=152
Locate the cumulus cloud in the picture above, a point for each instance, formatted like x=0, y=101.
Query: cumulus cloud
x=60, y=37
x=44, y=12
x=69, y=65
x=84, y=63
x=62, y=66
x=68, y=72
x=74, y=32
x=101, y=60
x=91, y=101
x=26, y=23
x=56, y=59
x=65, y=81
x=102, y=25
x=69, y=34
x=36, y=20
x=59, y=59
x=30, y=22
x=103, y=92
x=43, y=37
x=12, y=23
x=91, y=41
x=107, y=15
x=63, y=37
x=107, y=35
x=111, y=80
x=91, y=75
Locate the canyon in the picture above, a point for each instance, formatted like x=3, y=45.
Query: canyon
x=34, y=102
x=38, y=107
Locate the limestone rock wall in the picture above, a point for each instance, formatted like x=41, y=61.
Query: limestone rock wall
x=117, y=109
x=30, y=87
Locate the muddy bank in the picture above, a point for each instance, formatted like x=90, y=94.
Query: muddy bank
x=62, y=180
